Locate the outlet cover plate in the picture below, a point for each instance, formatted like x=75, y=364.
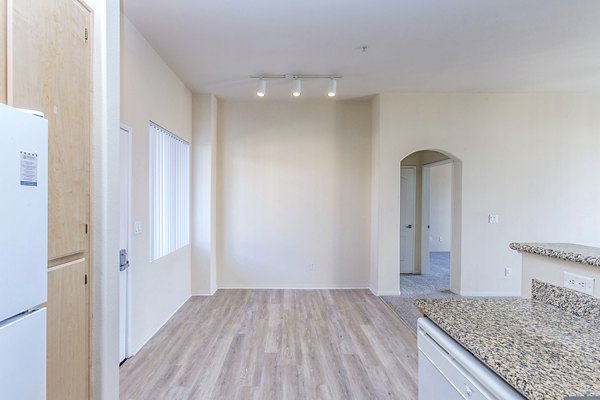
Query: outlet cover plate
x=579, y=283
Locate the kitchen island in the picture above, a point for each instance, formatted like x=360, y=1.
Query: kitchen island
x=546, y=347
x=550, y=261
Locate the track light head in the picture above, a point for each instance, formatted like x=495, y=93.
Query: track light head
x=262, y=87
x=332, y=88
x=296, y=79
x=297, y=88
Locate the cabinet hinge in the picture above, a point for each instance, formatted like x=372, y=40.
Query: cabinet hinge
x=85, y=279
x=86, y=34
x=86, y=229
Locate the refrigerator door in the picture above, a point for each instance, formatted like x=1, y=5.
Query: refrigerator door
x=23, y=211
x=23, y=360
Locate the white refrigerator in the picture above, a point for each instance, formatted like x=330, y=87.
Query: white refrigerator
x=23, y=253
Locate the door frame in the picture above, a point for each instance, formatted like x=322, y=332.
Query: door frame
x=128, y=341
x=414, y=169
x=425, y=210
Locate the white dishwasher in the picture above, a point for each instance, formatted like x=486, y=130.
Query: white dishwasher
x=448, y=371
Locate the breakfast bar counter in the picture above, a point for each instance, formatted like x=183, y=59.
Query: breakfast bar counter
x=546, y=347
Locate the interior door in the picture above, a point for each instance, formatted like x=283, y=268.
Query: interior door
x=124, y=190
x=408, y=191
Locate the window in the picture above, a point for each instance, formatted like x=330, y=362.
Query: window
x=169, y=192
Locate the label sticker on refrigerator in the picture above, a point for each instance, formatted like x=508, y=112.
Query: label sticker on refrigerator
x=29, y=168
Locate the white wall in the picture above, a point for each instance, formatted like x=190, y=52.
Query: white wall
x=552, y=271
x=204, y=194
x=150, y=90
x=374, y=208
x=440, y=209
x=105, y=200
x=294, y=190
x=530, y=158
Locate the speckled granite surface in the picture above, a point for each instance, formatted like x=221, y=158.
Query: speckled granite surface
x=563, y=251
x=579, y=304
x=544, y=352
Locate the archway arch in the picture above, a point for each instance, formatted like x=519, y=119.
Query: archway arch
x=422, y=160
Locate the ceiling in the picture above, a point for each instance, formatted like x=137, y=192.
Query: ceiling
x=413, y=45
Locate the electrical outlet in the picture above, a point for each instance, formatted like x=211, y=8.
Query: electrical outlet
x=508, y=272
x=440, y=239
x=579, y=283
x=137, y=228
x=312, y=267
x=493, y=219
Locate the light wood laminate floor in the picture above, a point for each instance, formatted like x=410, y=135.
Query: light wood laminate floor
x=277, y=344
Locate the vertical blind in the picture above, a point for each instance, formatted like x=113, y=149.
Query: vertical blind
x=169, y=192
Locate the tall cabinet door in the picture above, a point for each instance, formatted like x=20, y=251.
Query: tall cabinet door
x=49, y=69
x=3, y=51
x=68, y=340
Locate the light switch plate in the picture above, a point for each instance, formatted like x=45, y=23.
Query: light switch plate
x=493, y=219
x=137, y=228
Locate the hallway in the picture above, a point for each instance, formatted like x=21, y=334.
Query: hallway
x=435, y=284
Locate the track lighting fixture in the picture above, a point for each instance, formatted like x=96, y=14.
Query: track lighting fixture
x=297, y=89
x=331, y=89
x=296, y=83
x=262, y=87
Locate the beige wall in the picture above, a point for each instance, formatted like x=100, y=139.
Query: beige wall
x=440, y=198
x=552, y=271
x=294, y=191
x=204, y=195
x=530, y=158
x=151, y=91
x=374, y=211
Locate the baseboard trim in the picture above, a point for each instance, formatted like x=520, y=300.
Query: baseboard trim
x=388, y=293
x=490, y=294
x=295, y=287
x=204, y=293
x=135, y=351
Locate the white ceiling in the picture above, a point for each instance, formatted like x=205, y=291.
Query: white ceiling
x=414, y=45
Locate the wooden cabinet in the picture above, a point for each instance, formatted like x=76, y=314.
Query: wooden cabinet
x=48, y=68
x=68, y=339
x=3, y=51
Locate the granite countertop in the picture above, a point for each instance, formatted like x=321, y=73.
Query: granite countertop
x=543, y=351
x=563, y=251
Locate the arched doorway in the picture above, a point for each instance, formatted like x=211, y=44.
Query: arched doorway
x=430, y=224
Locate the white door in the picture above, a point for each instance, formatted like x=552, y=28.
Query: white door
x=124, y=193
x=408, y=191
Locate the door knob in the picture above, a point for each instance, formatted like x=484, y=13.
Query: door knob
x=409, y=226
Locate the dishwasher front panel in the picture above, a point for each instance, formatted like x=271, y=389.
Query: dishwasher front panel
x=446, y=365
x=432, y=384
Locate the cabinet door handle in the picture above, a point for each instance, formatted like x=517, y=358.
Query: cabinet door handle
x=409, y=226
